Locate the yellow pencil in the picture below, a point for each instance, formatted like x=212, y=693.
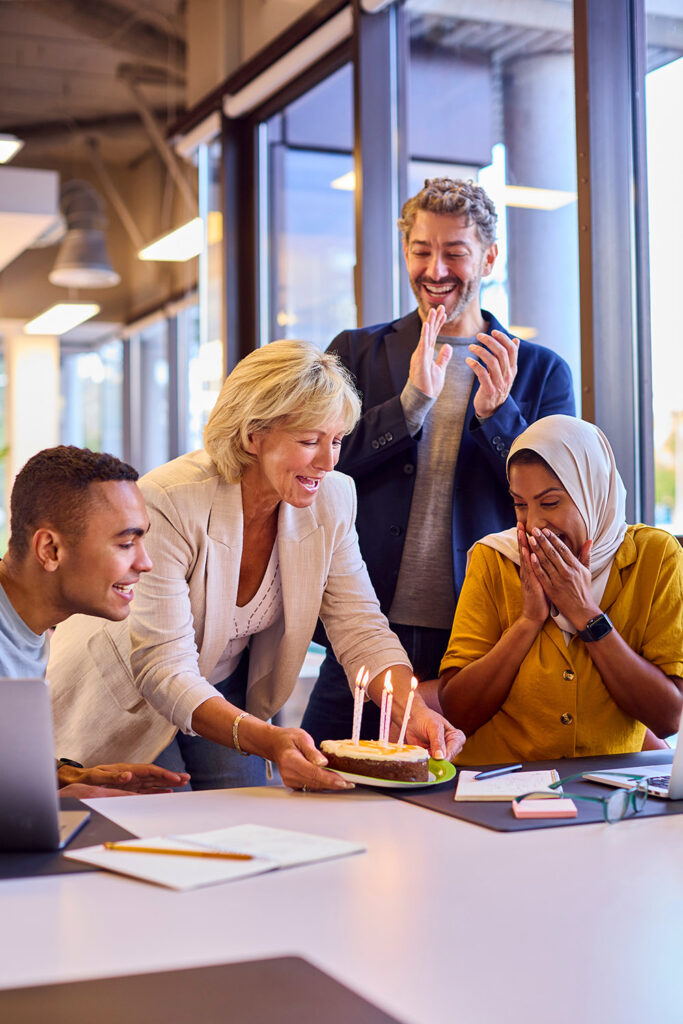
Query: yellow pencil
x=218, y=854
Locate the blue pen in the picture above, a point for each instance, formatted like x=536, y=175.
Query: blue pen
x=499, y=771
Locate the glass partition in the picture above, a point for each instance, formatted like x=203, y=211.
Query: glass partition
x=306, y=201
x=491, y=97
x=664, y=96
x=206, y=349
x=4, y=495
x=91, y=396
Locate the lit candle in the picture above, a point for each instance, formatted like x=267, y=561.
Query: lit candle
x=358, y=700
x=406, y=713
x=383, y=706
x=387, y=713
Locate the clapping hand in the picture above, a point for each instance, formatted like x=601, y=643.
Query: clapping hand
x=426, y=372
x=498, y=353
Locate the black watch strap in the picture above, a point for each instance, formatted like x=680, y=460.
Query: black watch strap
x=61, y=761
x=595, y=629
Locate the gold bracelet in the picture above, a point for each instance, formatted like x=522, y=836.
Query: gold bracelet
x=235, y=739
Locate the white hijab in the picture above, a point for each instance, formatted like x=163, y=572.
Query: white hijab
x=580, y=456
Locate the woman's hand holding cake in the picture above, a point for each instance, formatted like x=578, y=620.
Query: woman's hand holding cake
x=426, y=728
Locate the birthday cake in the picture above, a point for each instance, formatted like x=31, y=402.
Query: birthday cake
x=378, y=759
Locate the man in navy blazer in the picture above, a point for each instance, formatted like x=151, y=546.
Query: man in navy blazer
x=445, y=391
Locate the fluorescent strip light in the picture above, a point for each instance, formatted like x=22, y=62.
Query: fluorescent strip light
x=525, y=333
x=287, y=68
x=62, y=318
x=537, y=198
x=346, y=183
x=9, y=147
x=206, y=131
x=177, y=246
x=515, y=195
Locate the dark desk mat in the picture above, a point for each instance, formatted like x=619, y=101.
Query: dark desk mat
x=284, y=990
x=97, y=830
x=498, y=814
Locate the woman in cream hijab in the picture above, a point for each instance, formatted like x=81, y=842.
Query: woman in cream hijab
x=568, y=634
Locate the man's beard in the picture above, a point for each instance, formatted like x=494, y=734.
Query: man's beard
x=467, y=293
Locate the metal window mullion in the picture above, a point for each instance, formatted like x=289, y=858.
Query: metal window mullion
x=132, y=402
x=379, y=134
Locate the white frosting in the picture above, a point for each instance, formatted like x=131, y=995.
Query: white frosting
x=374, y=749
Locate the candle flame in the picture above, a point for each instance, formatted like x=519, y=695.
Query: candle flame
x=387, y=679
x=413, y=683
x=388, y=686
x=359, y=677
x=365, y=680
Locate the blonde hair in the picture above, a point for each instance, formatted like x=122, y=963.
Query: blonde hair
x=286, y=383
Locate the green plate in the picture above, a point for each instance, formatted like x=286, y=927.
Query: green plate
x=439, y=771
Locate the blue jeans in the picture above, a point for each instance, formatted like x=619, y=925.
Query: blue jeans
x=329, y=712
x=211, y=765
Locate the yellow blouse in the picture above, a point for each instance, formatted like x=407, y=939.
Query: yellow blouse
x=558, y=705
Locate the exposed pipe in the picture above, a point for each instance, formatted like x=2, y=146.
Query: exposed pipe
x=114, y=195
x=128, y=74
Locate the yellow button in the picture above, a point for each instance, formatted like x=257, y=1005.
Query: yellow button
x=566, y=718
x=568, y=675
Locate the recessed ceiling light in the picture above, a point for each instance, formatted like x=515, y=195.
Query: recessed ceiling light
x=525, y=333
x=9, y=147
x=537, y=198
x=346, y=183
x=62, y=318
x=177, y=246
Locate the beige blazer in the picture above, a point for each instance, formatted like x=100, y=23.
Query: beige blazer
x=121, y=690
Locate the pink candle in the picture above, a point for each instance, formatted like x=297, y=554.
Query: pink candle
x=383, y=706
x=406, y=713
x=387, y=713
x=358, y=700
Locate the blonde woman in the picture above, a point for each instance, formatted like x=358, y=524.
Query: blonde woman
x=251, y=540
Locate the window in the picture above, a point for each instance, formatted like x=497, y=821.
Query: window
x=205, y=352
x=91, y=396
x=204, y=375
x=4, y=521
x=493, y=100
x=306, y=200
x=664, y=95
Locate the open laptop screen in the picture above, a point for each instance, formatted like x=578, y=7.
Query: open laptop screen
x=29, y=807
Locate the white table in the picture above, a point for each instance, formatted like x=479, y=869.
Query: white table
x=439, y=922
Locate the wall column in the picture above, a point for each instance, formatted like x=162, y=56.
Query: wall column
x=543, y=257
x=32, y=368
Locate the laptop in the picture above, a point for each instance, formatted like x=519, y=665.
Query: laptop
x=30, y=818
x=662, y=780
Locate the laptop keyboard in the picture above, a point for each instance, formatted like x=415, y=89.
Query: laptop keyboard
x=659, y=780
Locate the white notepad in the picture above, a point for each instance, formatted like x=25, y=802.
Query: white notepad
x=272, y=849
x=503, y=787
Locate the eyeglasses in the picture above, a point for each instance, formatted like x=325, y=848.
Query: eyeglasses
x=615, y=805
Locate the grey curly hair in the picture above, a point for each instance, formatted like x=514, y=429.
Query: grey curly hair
x=454, y=196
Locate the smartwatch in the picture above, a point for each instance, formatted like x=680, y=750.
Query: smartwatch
x=595, y=629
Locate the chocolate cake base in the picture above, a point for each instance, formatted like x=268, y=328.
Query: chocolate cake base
x=380, y=767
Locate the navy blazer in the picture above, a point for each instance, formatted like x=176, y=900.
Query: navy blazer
x=381, y=456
